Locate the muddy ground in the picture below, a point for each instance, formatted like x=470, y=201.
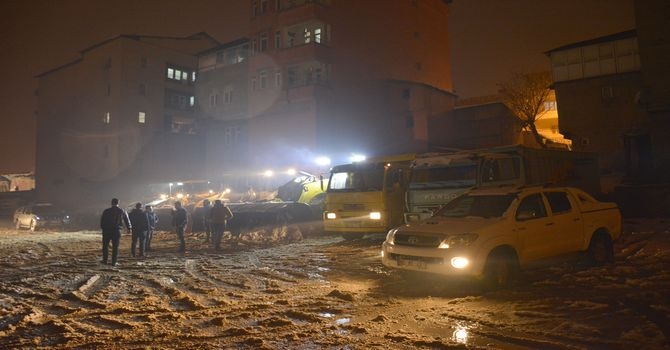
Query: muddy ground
x=321, y=292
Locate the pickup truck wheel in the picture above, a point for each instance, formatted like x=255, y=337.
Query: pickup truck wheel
x=33, y=225
x=600, y=249
x=500, y=270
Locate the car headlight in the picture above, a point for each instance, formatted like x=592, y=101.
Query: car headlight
x=390, y=236
x=37, y=217
x=460, y=262
x=462, y=240
x=375, y=215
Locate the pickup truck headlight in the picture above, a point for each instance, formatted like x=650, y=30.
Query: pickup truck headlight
x=462, y=240
x=375, y=215
x=331, y=216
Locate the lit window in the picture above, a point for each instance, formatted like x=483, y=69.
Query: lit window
x=107, y=118
x=184, y=76
x=193, y=76
x=191, y=101
x=317, y=35
x=308, y=36
x=170, y=73
x=141, y=118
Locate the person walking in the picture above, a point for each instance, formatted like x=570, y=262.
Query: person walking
x=112, y=221
x=179, y=221
x=140, y=223
x=219, y=216
x=153, y=221
x=206, y=220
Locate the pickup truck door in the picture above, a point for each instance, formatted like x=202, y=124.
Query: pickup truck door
x=567, y=219
x=535, y=228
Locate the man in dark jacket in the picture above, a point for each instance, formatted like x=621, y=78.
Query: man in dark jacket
x=153, y=221
x=206, y=221
x=111, y=222
x=179, y=221
x=140, y=224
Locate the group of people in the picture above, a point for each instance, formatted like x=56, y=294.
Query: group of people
x=142, y=223
x=214, y=220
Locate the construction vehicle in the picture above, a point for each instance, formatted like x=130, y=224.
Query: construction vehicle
x=299, y=201
x=367, y=197
x=437, y=178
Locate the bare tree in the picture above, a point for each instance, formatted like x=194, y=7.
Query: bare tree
x=525, y=95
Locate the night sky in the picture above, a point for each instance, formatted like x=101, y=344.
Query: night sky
x=490, y=39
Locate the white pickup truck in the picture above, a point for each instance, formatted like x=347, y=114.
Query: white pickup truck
x=491, y=233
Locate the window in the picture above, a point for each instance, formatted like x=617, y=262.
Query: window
x=277, y=40
x=254, y=10
x=263, y=42
x=228, y=95
x=308, y=36
x=531, y=207
x=212, y=99
x=550, y=105
x=264, y=6
x=558, y=202
x=278, y=78
x=107, y=118
x=180, y=74
x=253, y=83
x=607, y=92
x=142, y=89
x=263, y=79
x=232, y=135
x=141, y=118
x=191, y=101
x=317, y=35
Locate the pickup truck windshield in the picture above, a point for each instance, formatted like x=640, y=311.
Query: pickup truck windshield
x=489, y=206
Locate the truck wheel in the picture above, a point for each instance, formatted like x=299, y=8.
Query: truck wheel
x=33, y=225
x=500, y=270
x=600, y=251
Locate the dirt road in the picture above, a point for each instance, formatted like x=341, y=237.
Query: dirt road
x=319, y=293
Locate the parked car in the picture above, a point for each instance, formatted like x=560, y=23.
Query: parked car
x=40, y=215
x=491, y=233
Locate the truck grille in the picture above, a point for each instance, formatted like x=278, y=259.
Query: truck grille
x=421, y=259
x=417, y=240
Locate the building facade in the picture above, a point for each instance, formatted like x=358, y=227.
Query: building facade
x=336, y=77
x=121, y=114
x=596, y=83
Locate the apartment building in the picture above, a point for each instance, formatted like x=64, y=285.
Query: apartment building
x=123, y=113
x=337, y=77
